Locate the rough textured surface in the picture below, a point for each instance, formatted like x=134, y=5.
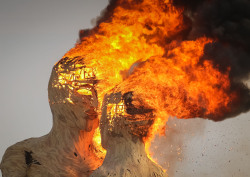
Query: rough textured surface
x=67, y=150
x=122, y=138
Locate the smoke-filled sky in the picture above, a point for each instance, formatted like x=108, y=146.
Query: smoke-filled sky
x=35, y=34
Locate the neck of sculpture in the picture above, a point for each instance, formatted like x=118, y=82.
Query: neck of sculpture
x=71, y=137
x=68, y=137
x=126, y=148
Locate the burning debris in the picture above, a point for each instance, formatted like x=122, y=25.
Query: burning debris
x=144, y=61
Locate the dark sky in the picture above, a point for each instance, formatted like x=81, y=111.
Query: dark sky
x=35, y=34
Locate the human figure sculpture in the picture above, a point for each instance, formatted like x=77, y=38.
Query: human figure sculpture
x=67, y=150
x=123, y=126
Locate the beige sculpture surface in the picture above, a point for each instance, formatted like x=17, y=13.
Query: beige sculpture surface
x=67, y=150
x=122, y=128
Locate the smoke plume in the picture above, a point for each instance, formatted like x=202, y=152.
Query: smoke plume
x=228, y=23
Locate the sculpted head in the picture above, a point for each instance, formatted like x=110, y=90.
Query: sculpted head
x=72, y=95
x=124, y=119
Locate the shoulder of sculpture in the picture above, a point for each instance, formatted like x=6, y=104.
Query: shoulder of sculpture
x=13, y=162
x=23, y=145
x=16, y=157
x=16, y=152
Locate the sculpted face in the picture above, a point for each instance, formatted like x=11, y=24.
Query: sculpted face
x=124, y=118
x=72, y=89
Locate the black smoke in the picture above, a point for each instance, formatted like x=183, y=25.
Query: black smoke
x=228, y=23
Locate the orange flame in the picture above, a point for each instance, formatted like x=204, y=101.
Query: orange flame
x=130, y=50
x=178, y=85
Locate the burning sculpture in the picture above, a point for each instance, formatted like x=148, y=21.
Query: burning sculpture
x=147, y=60
x=123, y=127
x=68, y=150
